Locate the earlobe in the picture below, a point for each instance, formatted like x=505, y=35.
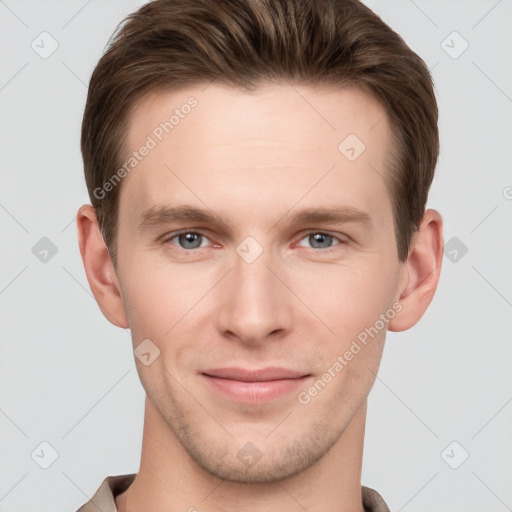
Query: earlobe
x=99, y=268
x=423, y=268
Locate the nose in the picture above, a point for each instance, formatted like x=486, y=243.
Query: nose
x=253, y=302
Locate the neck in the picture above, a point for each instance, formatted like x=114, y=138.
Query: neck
x=169, y=479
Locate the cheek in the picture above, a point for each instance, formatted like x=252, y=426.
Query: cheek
x=345, y=299
x=165, y=302
x=354, y=304
x=146, y=297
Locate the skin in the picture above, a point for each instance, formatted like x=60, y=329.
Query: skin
x=254, y=159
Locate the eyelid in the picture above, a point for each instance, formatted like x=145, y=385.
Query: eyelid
x=319, y=231
x=323, y=232
x=171, y=236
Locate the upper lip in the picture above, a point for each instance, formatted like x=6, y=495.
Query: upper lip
x=262, y=375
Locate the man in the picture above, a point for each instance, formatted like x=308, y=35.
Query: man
x=258, y=172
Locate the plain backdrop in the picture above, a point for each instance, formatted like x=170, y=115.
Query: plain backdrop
x=440, y=412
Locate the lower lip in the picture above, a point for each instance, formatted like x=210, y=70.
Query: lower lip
x=254, y=392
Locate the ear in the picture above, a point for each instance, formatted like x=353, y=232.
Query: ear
x=422, y=270
x=99, y=268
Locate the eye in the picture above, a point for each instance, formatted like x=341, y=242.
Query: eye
x=187, y=240
x=322, y=241
x=190, y=240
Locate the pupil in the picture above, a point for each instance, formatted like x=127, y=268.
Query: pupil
x=320, y=237
x=189, y=238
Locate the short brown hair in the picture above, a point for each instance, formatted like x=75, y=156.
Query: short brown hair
x=169, y=44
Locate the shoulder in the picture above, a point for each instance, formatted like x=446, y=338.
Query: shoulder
x=104, y=498
x=373, y=501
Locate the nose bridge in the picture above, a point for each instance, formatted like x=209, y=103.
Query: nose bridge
x=254, y=302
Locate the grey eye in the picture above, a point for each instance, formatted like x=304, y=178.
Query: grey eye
x=319, y=240
x=189, y=240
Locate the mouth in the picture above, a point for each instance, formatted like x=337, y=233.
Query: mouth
x=254, y=386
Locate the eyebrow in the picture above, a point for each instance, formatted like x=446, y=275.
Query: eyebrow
x=161, y=215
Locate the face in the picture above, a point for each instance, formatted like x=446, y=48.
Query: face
x=292, y=264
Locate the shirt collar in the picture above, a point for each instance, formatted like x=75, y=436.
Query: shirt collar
x=104, y=498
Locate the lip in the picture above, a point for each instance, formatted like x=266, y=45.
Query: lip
x=262, y=375
x=254, y=386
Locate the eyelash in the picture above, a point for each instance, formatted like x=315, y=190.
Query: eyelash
x=172, y=236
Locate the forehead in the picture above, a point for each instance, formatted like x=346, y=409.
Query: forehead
x=224, y=148
x=280, y=113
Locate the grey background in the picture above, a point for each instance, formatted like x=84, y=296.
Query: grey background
x=68, y=377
